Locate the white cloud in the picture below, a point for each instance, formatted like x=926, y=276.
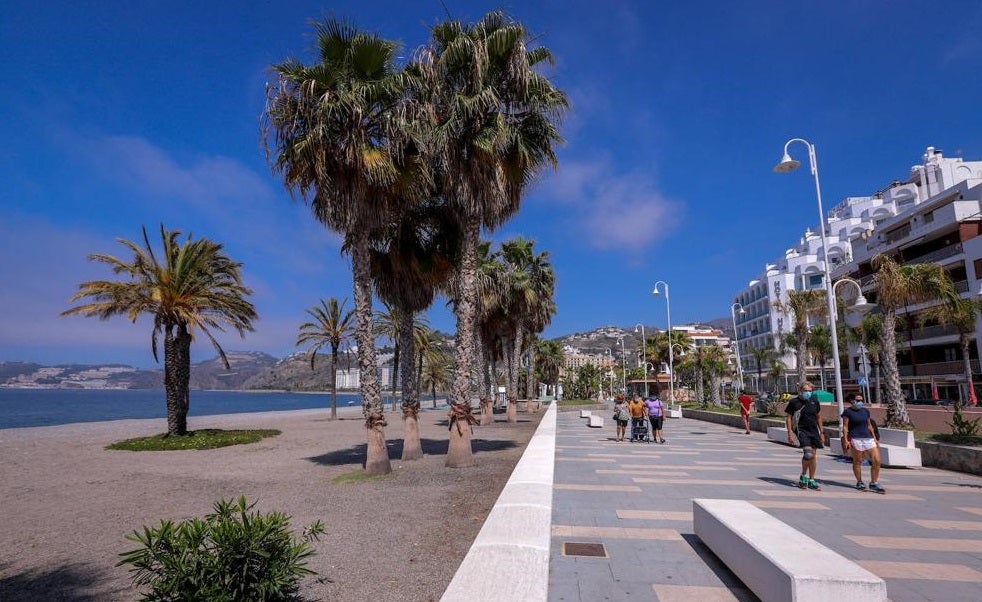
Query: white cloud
x=612, y=210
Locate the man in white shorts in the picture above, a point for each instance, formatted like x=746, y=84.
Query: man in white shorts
x=861, y=441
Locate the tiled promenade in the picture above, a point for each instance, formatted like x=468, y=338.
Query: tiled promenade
x=924, y=537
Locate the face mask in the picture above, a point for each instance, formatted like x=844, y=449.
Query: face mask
x=858, y=405
x=806, y=395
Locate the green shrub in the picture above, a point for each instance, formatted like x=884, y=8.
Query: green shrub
x=232, y=555
x=961, y=427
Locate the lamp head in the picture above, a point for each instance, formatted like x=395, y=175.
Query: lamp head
x=742, y=311
x=656, y=293
x=787, y=164
x=636, y=329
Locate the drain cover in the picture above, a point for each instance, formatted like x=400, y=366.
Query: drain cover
x=584, y=549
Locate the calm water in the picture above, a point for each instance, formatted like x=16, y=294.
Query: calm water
x=46, y=407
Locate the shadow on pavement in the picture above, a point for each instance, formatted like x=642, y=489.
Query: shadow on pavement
x=730, y=581
x=431, y=447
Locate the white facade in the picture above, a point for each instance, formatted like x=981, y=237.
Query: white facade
x=937, y=206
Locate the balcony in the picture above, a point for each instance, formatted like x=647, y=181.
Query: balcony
x=946, y=252
x=956, y=368
x=930, y=332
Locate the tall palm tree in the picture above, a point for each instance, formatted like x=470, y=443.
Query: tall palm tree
x=495, y=127
x=802, y=304
x=186, y=288
x=429, y=352
x=339, y=132
x=819, y=344
x=331, y=326
x=900, y=286
x=657, y=348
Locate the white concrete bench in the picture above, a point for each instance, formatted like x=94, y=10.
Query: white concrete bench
x=596, y=421
x=778, y=433
x=584, y=413
x=896, y=448
x=674, y=412
x=776, y=561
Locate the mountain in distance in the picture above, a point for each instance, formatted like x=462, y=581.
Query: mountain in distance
x=258, y=370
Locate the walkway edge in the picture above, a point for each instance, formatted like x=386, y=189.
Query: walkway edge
x=509, y=559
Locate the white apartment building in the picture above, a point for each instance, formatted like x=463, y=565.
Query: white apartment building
x=935, y=215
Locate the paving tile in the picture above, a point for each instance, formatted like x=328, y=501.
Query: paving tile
x=922, y=570
x=571, y=531
x=971, y=510
x=948, y=525
x=937, y=544
x=654, y=515
x=687, y=593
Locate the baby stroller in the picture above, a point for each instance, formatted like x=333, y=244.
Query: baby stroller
x=640, y=430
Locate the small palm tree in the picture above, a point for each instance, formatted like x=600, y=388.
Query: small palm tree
x=869, y=333
x=962, y=314
x=820, y=347
x=762, y=357
x=548, y=361
x=188, y=287
x=331, y=326
x=802, y=304
x=436, y=373
x=899, y=286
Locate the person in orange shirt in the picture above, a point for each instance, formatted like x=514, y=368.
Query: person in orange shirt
x=638, y=411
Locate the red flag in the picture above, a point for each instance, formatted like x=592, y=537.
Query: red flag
x=972, y=399
x=934, y=390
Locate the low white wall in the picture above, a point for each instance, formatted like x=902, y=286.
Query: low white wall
x=509, y=559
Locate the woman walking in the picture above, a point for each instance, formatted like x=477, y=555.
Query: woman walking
x=621, y=416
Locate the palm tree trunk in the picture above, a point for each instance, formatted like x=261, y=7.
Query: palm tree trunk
x=801, y=352
x=411, y=447
x=516, y=358
x=530, y=392
x=965, y=343
x=897, y=416
x=177, y=376
x=459, y=453
x=377, y=455
x=334, y=383
x=879, y=385
x=395, y=367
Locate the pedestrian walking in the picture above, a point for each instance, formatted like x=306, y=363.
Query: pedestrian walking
x=746, y=402
x=621, y=416
x=638, y=411
x=860, y=440
x=803, y=417
x=656, y=415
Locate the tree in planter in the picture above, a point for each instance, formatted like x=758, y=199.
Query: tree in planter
x=762, y=357
x=331, y=327
x=802, y=304
x=869, y=333
x=899, y=286
x=962, y=314
x=820, y=347
x=715, y=367
x=232, y=555
x=186, y=288
x=548, y=362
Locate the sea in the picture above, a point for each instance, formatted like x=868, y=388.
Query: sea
x=47, y=407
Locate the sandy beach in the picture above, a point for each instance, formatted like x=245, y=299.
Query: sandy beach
x=67, y=503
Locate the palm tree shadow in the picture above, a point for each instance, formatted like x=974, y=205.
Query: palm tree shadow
x=431, y=447
x=68, y=582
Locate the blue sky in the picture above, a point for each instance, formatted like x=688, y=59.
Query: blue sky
x=121, y=114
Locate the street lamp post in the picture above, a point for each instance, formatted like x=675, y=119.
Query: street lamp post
x=644, y=357
x=610, y=371
x=861, y=306
x=788, y=164
x=736, y=341
x=671, y=356
x=623, y=365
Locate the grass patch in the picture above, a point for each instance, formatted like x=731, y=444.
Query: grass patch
x=356, y=476
x=203, y=439
x=578, y=402
x=973, y=440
